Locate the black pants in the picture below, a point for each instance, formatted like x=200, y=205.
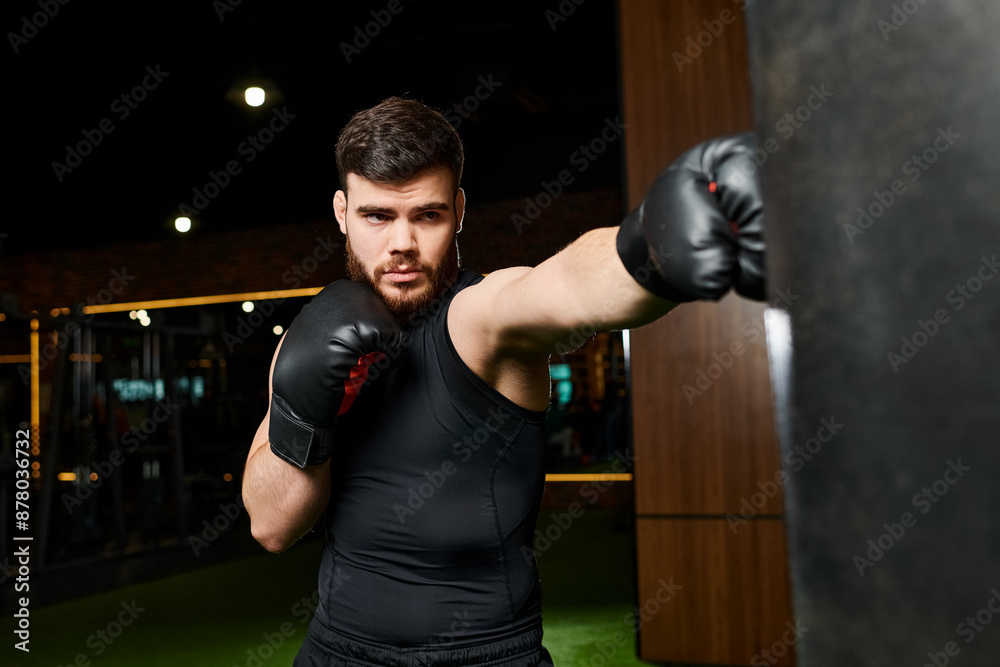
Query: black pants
x=326, y=648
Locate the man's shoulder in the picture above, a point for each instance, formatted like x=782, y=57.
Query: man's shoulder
x=495, y=280
x=474, y=309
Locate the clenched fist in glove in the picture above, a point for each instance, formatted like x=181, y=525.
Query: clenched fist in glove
x=699, y=231
x=323, y=364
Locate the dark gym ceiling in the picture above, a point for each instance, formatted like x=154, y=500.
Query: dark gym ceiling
x=553, y=74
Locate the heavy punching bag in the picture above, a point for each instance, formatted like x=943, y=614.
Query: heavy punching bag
x=879, y=131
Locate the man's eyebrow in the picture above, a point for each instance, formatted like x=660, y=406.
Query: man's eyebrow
x=430, y=206
x=364, y=209
x=370, y=208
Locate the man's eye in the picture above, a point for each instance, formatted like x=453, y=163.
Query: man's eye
x=431, y=215
x=376, y=217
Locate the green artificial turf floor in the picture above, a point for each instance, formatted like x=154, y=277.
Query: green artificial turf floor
x=254, y=612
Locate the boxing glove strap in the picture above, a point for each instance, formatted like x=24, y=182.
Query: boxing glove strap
x=634, y=251
x=296, y=441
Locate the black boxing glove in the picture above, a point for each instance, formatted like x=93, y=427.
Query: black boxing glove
x=322, y=365
x=699, y=231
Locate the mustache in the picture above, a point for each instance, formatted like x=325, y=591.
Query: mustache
x=401, y=261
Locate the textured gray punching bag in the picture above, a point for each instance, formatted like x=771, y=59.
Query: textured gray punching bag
x=879, y=128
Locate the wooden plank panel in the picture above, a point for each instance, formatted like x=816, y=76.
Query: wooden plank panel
x=708, y=451
x=730, y=592
x=712, y=452
x=700, y=455
x=669, y=107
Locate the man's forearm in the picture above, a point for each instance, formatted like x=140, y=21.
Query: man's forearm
x=584, y=287
x=612, y=295
x=283, y=501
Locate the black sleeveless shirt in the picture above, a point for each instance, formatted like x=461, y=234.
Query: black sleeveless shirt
x=436, y=487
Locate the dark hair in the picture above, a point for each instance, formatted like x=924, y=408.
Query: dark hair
x=395, y=140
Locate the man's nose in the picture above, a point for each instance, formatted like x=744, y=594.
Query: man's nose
x=402, y=237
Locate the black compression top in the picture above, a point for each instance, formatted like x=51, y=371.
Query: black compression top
x=436, y=488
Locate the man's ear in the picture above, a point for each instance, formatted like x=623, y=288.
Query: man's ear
x=460, y=208
x=340, y=210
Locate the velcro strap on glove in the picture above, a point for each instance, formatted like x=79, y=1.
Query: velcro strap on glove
x=634, y=251
x=296, y=441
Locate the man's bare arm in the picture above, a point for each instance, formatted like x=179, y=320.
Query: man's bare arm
x=283, y=501
x=701, y=220
x=582, y=289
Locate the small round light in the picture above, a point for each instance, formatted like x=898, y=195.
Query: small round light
x=182, y=224
x=247, y=306
x=254, y=96
x=133, y=315
x=278, y=330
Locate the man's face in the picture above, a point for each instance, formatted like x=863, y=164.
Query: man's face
x=401, y=236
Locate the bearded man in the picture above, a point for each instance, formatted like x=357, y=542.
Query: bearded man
x=408, y=403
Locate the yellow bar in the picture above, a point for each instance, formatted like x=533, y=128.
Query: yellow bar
x=589, y=477
x=67, y=476
x=15, y=358
x=35, y=401
x=96, y=358
x=200, y=300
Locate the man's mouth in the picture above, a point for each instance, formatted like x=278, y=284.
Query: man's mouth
x=403, y=274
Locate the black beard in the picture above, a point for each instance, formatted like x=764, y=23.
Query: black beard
x=404, y=301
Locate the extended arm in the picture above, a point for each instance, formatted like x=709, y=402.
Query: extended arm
x=582, y=289
x=697, y=235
